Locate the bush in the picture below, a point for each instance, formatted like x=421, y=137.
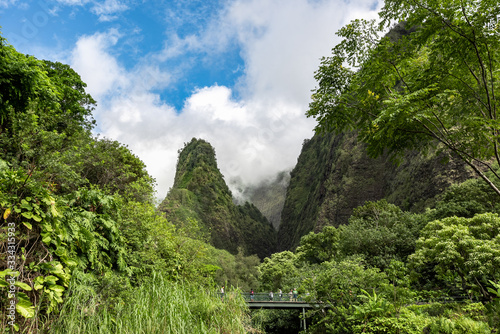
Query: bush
x=458, y=325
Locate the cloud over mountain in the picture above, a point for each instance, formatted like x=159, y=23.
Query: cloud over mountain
x=256, y=125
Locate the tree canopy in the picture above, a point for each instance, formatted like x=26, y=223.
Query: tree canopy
x=463, y=251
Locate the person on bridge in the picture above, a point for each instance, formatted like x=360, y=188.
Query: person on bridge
x=280, y=294
x=251, y=295
x=295, y=294
x=290, y=294
x=271, y=296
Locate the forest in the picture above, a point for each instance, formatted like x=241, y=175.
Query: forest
x=85, y=246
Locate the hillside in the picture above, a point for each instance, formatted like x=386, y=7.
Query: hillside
x=334, y=175
x=268, y=196
x=201, y=195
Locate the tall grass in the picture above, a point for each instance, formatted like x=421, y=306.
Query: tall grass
x=157, y=306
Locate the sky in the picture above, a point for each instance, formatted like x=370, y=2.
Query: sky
x=236, y=73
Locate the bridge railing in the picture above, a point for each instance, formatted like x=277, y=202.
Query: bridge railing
x=265, y=296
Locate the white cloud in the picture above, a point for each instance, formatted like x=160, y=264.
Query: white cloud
x=7, y=3
x=283, y=41
x=100, y=70
x=108, y=7
x=214, y=104
x=106, y=10
x=254, y=136
x=73, y=2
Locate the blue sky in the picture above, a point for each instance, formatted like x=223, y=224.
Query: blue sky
x=146, y=25
x=237, y=73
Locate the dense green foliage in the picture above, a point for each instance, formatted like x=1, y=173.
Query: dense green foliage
x=427, y=87
x=466, y=200
x=434, y=83
x=378, y=248
x=463, y=252
x=334, y=175
x=201, y=194
x=381, y=232
x=82, y=246
x=157, y=306
x=387, y=270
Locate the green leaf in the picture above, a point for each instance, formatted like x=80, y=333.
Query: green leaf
x=23, y=286
x=47, y=227
x=27, y=215
x=28, y=225
x=24, y=307
x=46, y=239
x=70, y=262
x=26, y=205
x=53, y=210
x=8, y=272
x=51, y=280
x=38, y=285
x=57, y=288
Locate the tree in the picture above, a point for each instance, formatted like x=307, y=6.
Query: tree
x=435, y=84
x=278, y=271
x=381, y=232
x=465, y=199
x=319, y=247
x=462, y=251
x=53, y=94
x=338, y=285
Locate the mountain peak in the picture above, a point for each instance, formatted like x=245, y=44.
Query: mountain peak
x=201, y=194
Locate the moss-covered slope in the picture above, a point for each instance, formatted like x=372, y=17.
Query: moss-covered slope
x=200, y=193
x=333, y=175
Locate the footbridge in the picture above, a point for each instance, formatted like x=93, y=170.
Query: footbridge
x=277, y=301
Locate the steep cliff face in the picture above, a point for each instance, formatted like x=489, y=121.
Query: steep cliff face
x=200, y=193
x=269, y=196
x=334, y=175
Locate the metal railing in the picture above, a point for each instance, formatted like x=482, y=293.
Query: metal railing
x=266, y=296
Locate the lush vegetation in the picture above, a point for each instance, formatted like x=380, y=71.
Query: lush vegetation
x=428, y=89
x=83, y=248
x=434, y=82
x=390, y=271
x=334, y=175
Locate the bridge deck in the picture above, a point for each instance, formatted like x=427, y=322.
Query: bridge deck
x=279, y=305
x=263, y=300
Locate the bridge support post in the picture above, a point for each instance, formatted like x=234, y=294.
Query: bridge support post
x=304, y=317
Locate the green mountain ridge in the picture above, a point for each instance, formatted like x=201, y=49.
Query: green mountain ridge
x=334, y=175
x=200, y=194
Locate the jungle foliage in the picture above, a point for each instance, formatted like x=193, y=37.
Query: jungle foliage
x=434, y=82
x=83, y=247
x=391, y=271
x=426, y=91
